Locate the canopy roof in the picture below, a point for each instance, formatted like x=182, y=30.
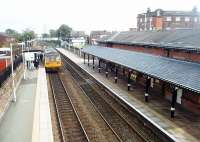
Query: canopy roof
x=181, y=73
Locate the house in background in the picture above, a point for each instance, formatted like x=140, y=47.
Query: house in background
x=168, y=20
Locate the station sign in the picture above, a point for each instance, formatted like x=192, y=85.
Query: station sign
x=29, y=56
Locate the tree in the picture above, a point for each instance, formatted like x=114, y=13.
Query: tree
x=53, y=33
x=10, y=32
x=14, y=34
x=64, y=31
x=28, y=34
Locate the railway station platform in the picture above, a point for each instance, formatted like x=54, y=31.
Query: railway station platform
x=183, y=128
x=42, y=126
x=28, y=119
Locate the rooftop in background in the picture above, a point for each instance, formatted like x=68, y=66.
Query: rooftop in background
x=3, y=34
x=168, y=20
x=181, y=73
x=177, y=39
x=162, y=12
x=78, y=34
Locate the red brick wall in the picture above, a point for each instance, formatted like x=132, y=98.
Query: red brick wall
x=185, y=56
x=195, y=57
x=154, y=51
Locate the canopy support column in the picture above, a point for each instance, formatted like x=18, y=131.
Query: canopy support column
x=129, y=79
x=84, y=57
x=123, y=71
x=106, y=70
x=99, y=68
x=88, y=60
x=173, y=103
x=116, y=74
x=148, y=82
x=93, y=62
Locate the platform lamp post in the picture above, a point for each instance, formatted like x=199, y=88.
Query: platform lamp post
x=14, y=99
x=173, y=100
x=23, y=59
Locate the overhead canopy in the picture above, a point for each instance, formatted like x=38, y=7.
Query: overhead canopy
x=181, y=73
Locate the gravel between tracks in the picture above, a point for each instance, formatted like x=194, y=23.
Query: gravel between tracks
x=95, y=126
x=54, y=120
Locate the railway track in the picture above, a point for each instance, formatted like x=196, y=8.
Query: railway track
x=96, y=127
x=119, y=123
x=69, y=122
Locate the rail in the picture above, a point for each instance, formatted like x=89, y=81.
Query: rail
x=103, y=105
x=69, y=120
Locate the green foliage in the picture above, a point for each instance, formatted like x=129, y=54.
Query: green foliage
x=10, y=32
x=19, y=37
x=28, y=35
x=64, y=31
x=14, y=34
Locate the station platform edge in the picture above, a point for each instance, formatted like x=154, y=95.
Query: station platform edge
x=42, y=126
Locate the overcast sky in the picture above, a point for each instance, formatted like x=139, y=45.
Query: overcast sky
x=87, y=15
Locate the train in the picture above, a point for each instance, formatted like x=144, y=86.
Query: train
x=52, y=60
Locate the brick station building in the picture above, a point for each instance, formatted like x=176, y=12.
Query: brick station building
x=182, y=46
x=168, y=20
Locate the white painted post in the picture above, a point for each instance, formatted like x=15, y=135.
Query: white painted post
x=13, y=79
x=23, y=60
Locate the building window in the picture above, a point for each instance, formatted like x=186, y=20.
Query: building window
x=150, y=19
x=196, y=19
x=187, y=19
x=178, y=18
x=169, y=19
x=141, y=20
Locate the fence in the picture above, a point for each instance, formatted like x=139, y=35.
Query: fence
x=7, y=72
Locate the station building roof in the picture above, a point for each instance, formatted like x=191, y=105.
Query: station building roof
x=186, y=39
x=181, y=73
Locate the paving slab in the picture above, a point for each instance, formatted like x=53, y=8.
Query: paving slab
x=16, y=125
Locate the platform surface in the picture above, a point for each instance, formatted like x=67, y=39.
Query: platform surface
x=183, y=128
x=42, y=126
x=17, y=123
